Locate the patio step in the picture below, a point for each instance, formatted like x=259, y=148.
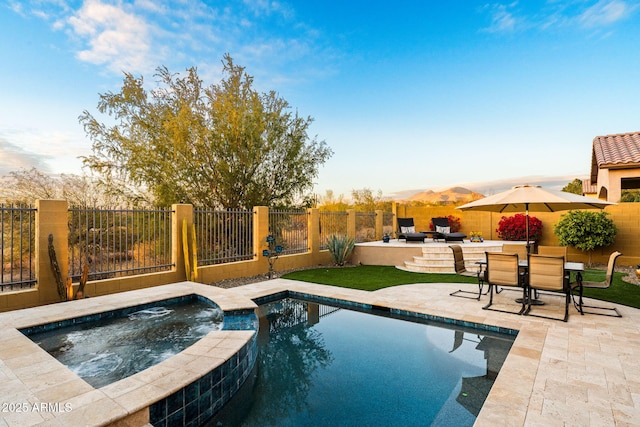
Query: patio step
x=439, y=258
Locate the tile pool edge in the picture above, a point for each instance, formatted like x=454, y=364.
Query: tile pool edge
x=369, y=307
x=110, y=314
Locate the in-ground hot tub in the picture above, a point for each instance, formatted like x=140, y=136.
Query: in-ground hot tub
x=106, y=347
x=185, y=388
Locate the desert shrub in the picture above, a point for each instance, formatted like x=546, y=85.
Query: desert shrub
x=630, y=196
x=340, y=247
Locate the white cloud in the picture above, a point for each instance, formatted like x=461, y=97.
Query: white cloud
x=137, y=36
x=501, y=19
x=117, y=38
x=49, y=151
x=267, y=7
x=14, y=158
x=557, y=14
x=605, y=12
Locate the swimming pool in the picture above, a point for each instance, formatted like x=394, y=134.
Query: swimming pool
x=324, y=365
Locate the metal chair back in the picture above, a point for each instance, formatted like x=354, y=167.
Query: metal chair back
x=546, y=272
x=520, y=250
x=502, y=269
x=553, y=251
x=458, y=259
x=611, y=266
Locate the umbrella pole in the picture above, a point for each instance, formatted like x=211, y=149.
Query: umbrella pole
x=526, y=207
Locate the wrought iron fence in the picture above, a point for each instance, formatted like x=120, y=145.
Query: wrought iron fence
x=18, y=247
x=365, y=226
x=119, y=242
x=291, y=230
x=326, y=310
x=332, y=223
x=223, y=236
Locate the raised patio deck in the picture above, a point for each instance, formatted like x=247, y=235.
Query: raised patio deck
x=429, y=257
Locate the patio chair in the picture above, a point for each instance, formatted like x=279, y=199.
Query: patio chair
x=546, y=273
x=599, y=285
x=443, y=231
x=407, y=231
x=553, y=251
x=511, y=248
x=502, y=270
x=458, y=261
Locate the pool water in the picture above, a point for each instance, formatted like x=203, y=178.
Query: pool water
x=112, y=348
x=320, y=365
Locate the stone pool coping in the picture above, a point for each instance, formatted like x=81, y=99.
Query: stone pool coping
x=584, y=372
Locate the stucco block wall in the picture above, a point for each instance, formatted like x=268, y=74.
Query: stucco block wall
x=52, y=218
x=626, y=217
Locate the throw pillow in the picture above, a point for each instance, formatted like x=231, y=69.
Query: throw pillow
x=443, y=230
x=408, y=229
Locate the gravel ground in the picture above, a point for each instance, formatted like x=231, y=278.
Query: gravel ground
x=240, y=281
x=631, y=276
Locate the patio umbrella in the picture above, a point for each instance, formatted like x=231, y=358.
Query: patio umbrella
x=525, y=198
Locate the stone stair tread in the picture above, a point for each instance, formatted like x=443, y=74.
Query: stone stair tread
x=439, y=259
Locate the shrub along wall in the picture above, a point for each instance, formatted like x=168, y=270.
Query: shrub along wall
x=626, y=217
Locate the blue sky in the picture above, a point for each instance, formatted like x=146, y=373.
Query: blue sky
x=410, y=95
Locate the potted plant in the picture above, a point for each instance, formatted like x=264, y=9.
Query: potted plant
x=476, y=236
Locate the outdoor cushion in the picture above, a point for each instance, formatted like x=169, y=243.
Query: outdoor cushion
x=408, y=231
x=443, y=224
x=443, y=230
x=414, y=237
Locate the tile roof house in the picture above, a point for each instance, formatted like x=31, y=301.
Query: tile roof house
x=589, y=189
x=615, y=164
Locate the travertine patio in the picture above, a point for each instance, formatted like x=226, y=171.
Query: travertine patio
x=584, y=372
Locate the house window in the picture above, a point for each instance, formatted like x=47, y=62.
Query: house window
x=630, y=183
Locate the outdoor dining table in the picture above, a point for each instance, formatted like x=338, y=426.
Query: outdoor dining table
x=569, y=267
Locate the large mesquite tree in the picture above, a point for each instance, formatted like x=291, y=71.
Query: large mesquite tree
x=222, y=146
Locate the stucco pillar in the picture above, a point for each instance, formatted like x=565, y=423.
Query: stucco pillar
x=180, y=213
x=379, y=224
x=313, y=227
x=260, y=233
x=351, y=223
x=51, y=217
x=396, y=214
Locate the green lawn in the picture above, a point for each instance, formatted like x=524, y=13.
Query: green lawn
x=373, y=277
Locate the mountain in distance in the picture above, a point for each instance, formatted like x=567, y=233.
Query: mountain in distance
x=452, y=195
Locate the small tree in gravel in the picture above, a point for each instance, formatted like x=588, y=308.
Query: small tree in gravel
x=585, y=230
